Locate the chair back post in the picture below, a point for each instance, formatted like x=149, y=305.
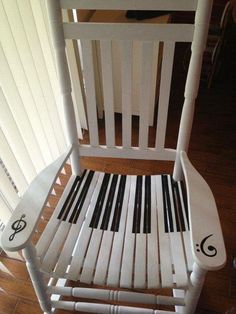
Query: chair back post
x=202, y=19
x=55, y=18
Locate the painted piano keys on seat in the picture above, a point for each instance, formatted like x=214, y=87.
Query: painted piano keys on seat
x=105, y=229
x=175, y=218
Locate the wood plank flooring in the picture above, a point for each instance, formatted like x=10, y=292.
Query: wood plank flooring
x=213, y=153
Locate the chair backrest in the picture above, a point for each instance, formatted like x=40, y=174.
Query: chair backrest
x=148, y=36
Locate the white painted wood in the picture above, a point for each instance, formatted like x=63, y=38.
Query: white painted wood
x=115, y=295
x=193, y=293
x=177, y=248
x=91, y=256
x=49, y=232
x=38, y=190
x=126, y=83
x=202, y=19
x=106, y=309
x=116, y=65
x=37, y=279
x=88, y=70
x=132, y=152
x=115, y=264
x=94, y=245
x=97, y=77
x=136, y=72
x=106, y=247
x=108, y=93
x=125, y=31
x=206, y=235
x=186, y=234
x=164, y=94
x=164, y=245
x=178, y=293
x=154, y=82
x=130, y=5
x=126, y=276
x=51, y=257
x=84, y=236
x=140, y=266
x=145, y=93
x=55, y=20
x=70, y=243
x=153, y=267
x=74, y=67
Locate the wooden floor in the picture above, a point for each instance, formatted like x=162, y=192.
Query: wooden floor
x=213, y=153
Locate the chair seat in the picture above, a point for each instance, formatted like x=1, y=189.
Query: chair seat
x=106, y=226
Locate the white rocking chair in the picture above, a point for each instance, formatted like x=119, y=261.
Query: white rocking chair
x=123, y=233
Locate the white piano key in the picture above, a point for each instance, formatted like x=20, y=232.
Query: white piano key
x=53, y=251
x=106, y=246
x=53, y=224
x=118, y=241
x=164, y=244
x=114, y=203
x=177, y=248
x=153, y=269
x=66, y=253
x=128, y=253
x=60, y=237
x=186, y=234
x=94, y=244
x=140, y=248
x=84, y=236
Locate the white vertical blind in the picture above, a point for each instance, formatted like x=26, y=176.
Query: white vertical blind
x=31, y=117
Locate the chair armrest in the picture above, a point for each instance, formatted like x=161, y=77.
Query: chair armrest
x=207, y=242
x=25, y=217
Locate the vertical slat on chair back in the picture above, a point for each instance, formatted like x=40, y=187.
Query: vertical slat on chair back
x=126, y=36
x=126, y=87
x=145, y=92
x=88, y=71
x=108, y=93
x=164, y=94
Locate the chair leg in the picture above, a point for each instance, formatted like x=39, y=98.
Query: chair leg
x=37, y=279
x=197, y=278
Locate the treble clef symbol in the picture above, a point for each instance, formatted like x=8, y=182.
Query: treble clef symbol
x=17, y=226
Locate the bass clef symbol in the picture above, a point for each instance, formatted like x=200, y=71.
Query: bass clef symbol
x=17, y=226
x=210, y=250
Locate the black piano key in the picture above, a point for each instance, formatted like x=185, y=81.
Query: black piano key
x=168, y=219
x=179, y=205
x=184, y=194
x=110, y=199
x=119, y=203
x=177, y=208
x=137, y=205
x=147, y=206
x=100, y=201
x=74, y=196
x=69, y=196
x=79, y=204
x=164, y=206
